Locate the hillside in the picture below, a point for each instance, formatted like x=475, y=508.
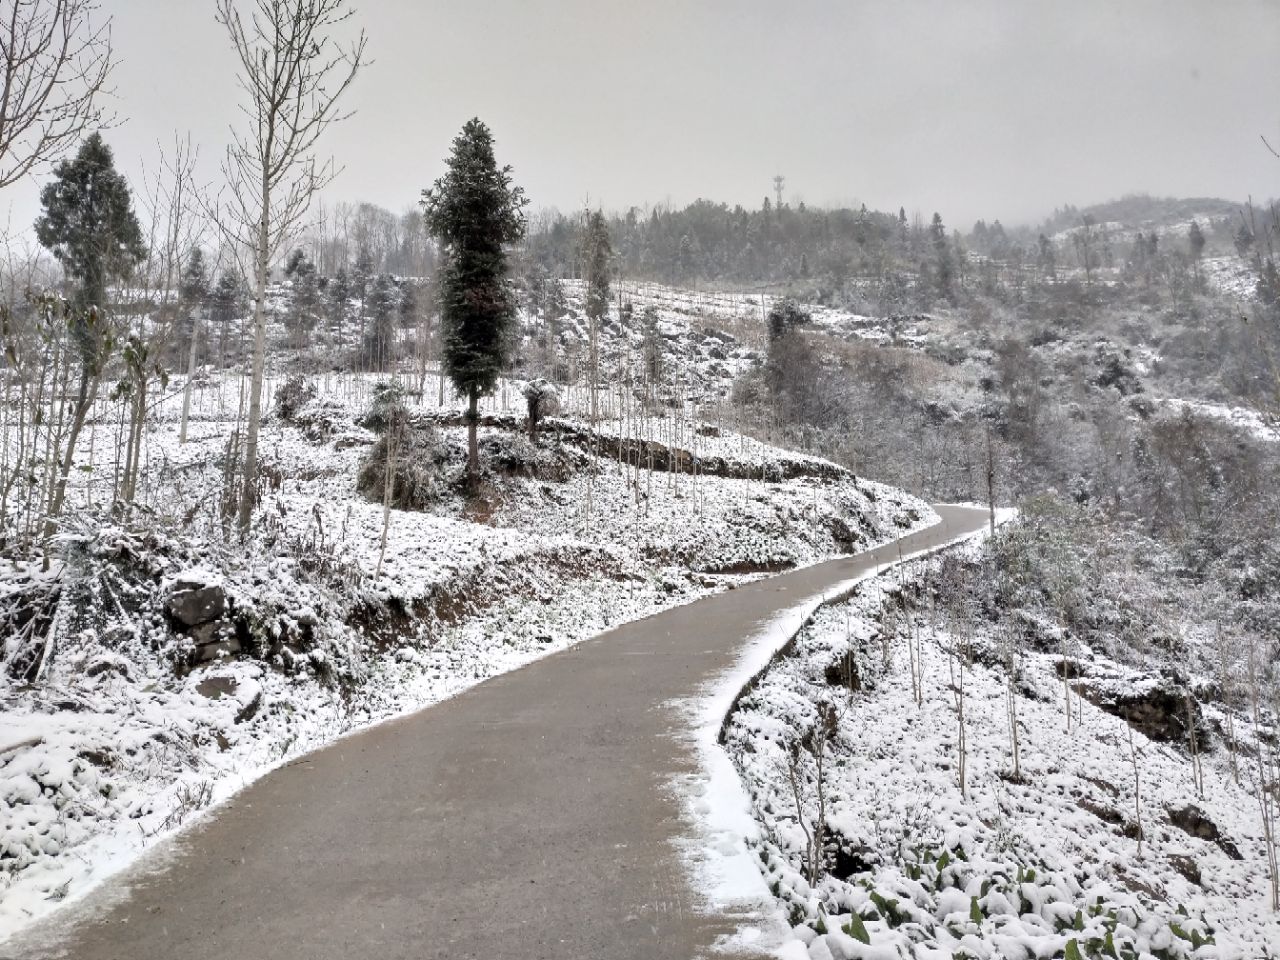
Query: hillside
x=163, y=664
x=888, y=724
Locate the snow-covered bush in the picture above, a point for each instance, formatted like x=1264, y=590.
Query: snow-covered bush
x=412, y=458
x=292, y=395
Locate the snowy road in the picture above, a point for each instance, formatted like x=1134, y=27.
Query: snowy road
x=531, y=817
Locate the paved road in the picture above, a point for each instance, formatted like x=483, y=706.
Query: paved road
x=528, y=818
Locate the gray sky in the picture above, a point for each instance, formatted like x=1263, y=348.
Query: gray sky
x=993, y=109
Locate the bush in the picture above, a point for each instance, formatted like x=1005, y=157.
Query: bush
x=293, y=395
x=416, y=473
x=388, y=407
x=514, y=455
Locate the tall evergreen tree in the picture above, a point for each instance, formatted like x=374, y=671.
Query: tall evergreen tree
x=338, y=292
x=474, y=211
x=193, y=291
x=1196, y=243
x=88, y=222
x=379, y=339
x=89, y=226
x=944, y=265
x=226, y=305
x=194, y=285
x=653, y=349
x=304, y=308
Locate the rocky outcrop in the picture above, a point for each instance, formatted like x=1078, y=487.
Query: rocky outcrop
x=199, y=610
x=194, y=605
x=1193, y=821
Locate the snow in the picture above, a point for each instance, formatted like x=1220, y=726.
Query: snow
x=135, y=743
x=1010, y=868
x=1253, y=423
x=720, y=853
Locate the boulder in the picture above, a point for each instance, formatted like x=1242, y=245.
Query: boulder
x=212, y=631
x=192, y=607
x=215, y=688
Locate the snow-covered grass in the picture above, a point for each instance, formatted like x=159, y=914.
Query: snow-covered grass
x=126, y=735
x=1045, y=865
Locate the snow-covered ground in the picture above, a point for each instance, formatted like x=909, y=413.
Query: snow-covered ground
x=1255, y=424
x=719, y=852
x=128, y=734
x=1230, y=276
x=1047, y=864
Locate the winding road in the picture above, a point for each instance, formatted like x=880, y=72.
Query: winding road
x=530, y=818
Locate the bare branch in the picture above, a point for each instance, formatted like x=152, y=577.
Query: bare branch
x=55, y=60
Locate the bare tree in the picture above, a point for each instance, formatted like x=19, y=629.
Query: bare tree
x=814, y=742
x=1086, y=240
x=55, y=58
x=171, y=204
x=293, y=72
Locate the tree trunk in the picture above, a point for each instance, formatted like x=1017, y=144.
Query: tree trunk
x=88, y=390
x=250, y=488
x=186, y=390
x=473, y=441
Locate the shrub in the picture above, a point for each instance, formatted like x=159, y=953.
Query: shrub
x=293, y=395
x=417, y=471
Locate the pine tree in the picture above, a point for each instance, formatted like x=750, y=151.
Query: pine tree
x=379, y=340
x=304, y=308
x=193, y=291
x=474, y=211
x=193, y=296
x=338, y=292
x=1196, y=240
x=88, y=222
x=652, y=349
x=226, y=304
x=1047, y=258
x=944, y=268
x=194, y=285
x=89, y=226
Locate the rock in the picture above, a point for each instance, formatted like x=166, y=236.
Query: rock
x=108, y=663
x=1187, y=867
x=212, y=651
x=1158, y=711
x=1192, y=821
x=250, y=709
x=193, y=607
x=211, y=632
x=215, y=688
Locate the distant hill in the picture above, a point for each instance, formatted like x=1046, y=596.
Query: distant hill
x=1142, y=212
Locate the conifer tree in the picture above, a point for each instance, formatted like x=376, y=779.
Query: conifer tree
x=338, y=292
x=304, y=308
x=943, y=265
x=89, y=226
x=226, y=302
x=88, y=222
x=379, y=340
x=474, y=212
x=193, y=291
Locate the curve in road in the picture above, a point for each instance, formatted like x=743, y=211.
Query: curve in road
x=530, y=817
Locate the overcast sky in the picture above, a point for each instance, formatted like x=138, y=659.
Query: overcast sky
x=995, y=109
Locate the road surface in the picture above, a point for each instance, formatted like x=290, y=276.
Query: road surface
x=530, y=818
